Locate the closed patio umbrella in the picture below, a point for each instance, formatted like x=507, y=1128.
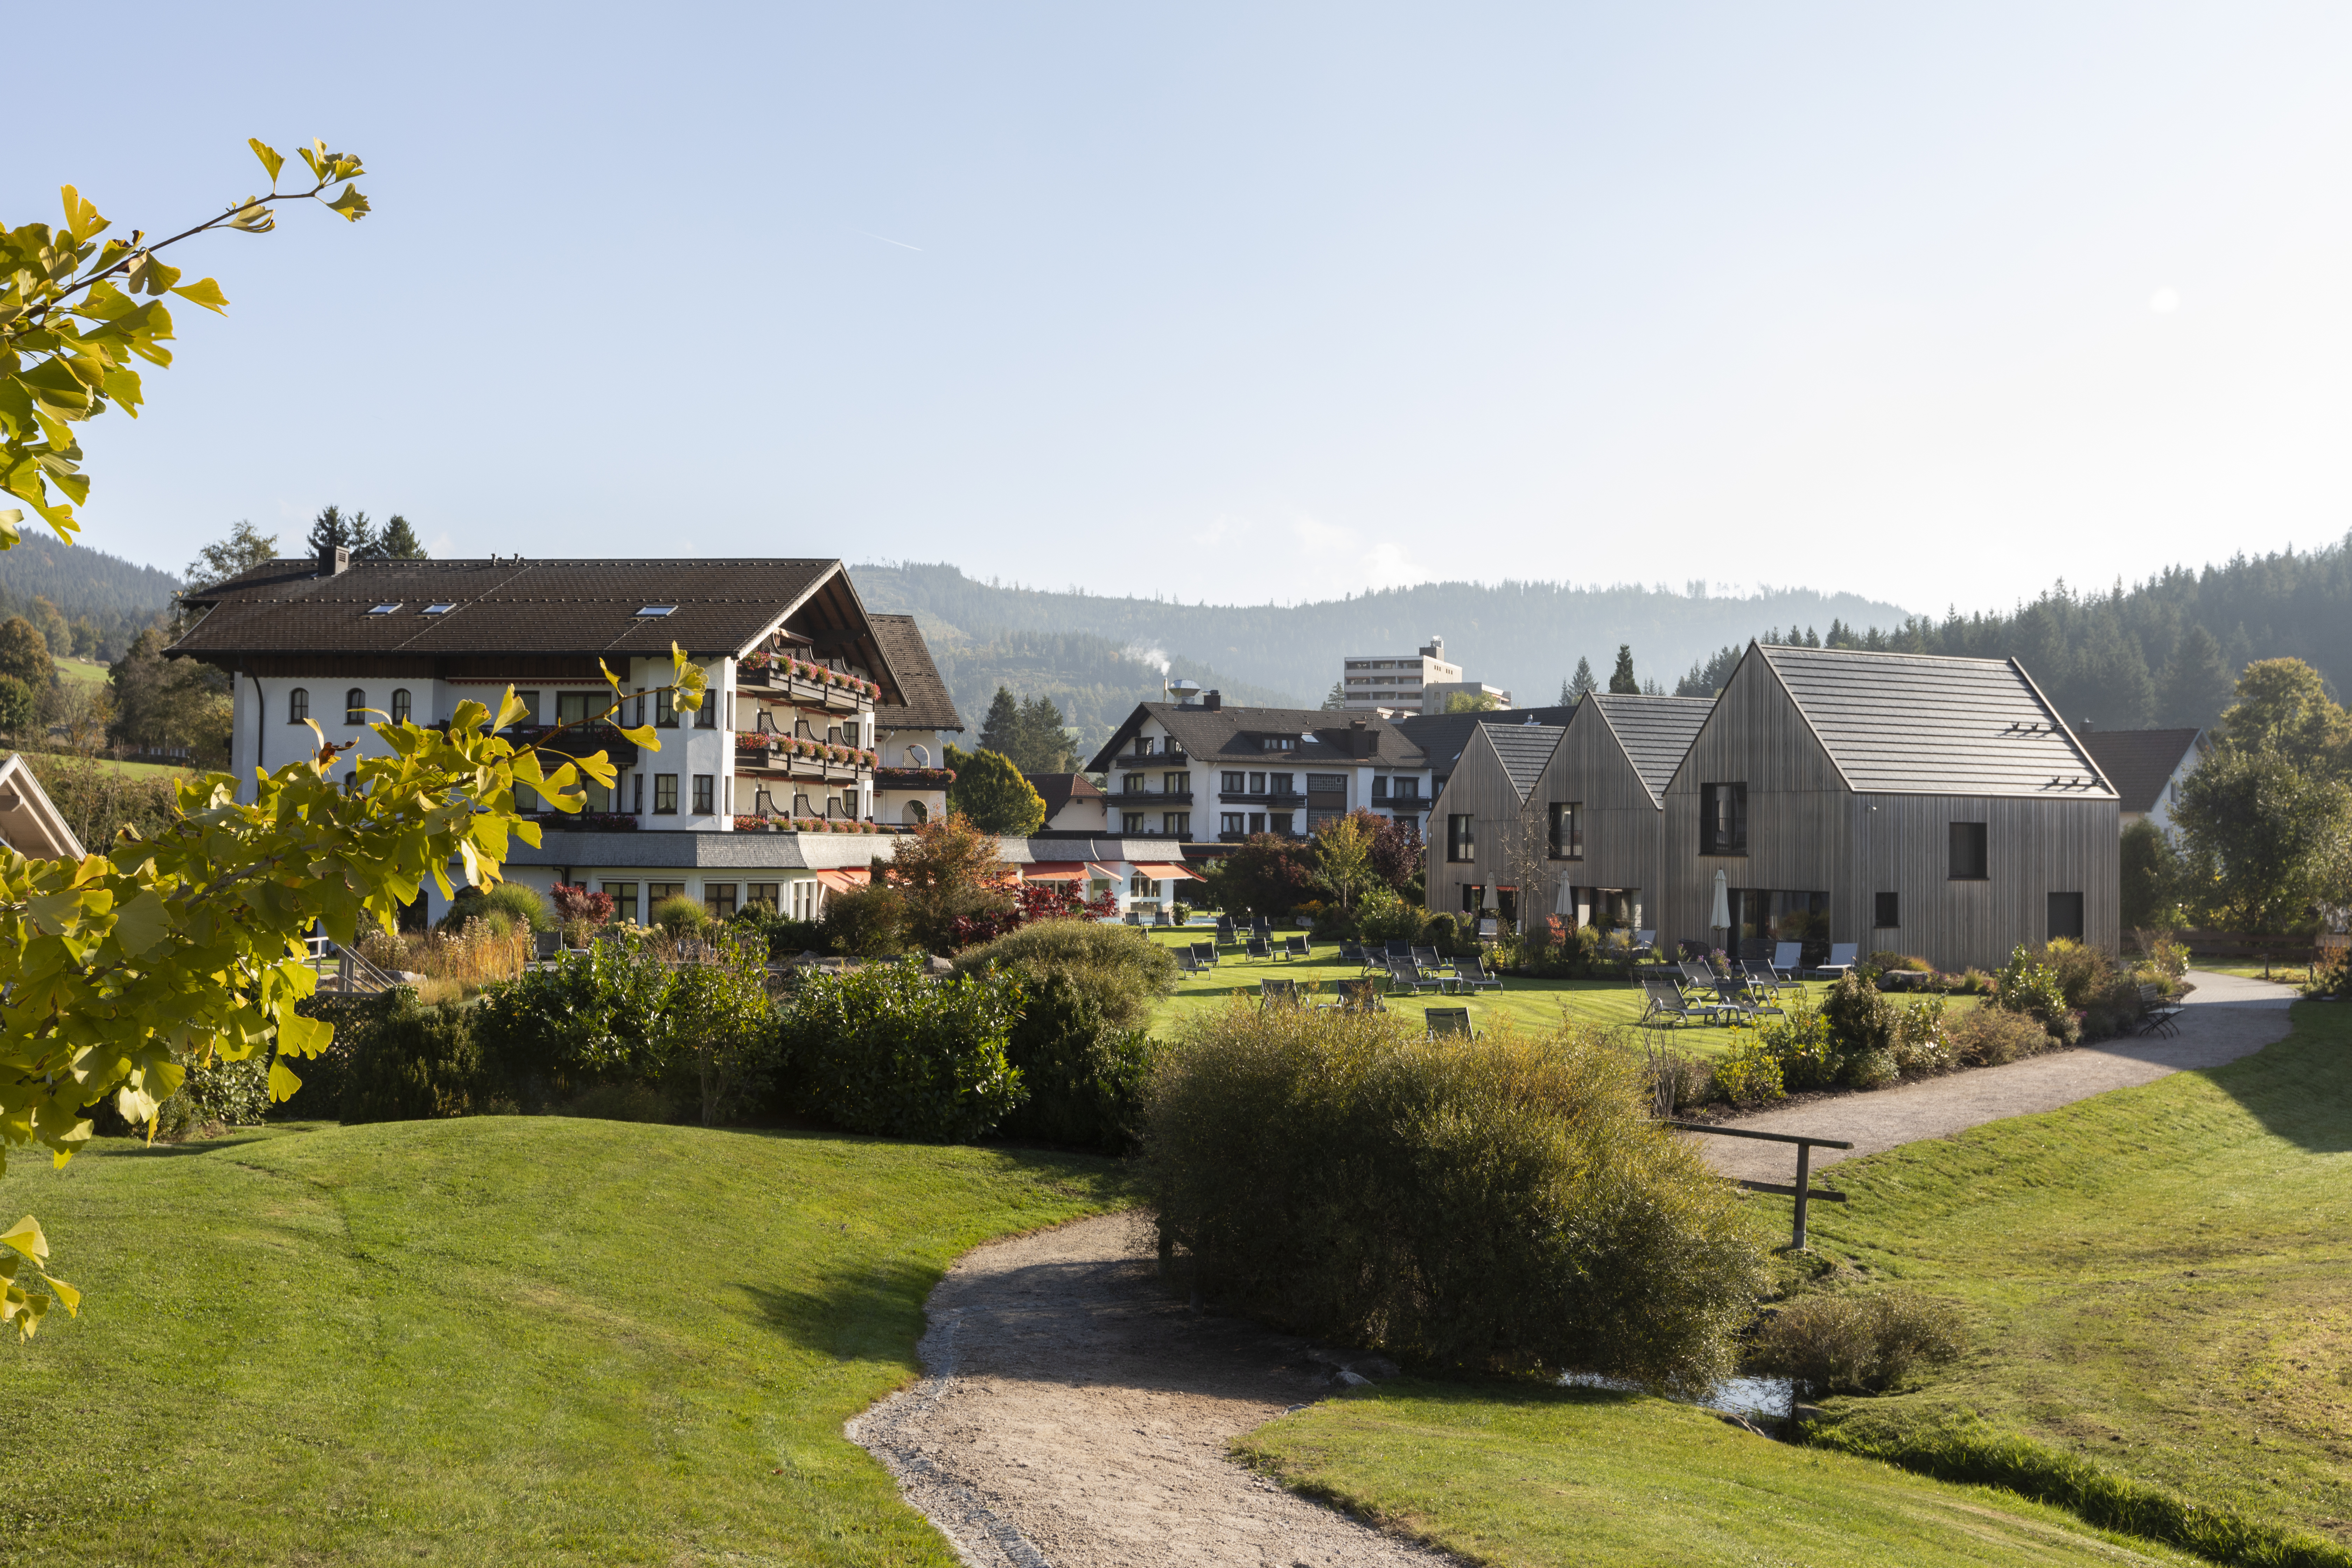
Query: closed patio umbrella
x=1490, y=897
x=1563, y=902
x=1722, y=918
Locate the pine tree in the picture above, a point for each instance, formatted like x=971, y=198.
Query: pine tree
x=331, y=529
x=1620, y=679
x=398, y=542
x=241, y=551
x=1337, y=698
x=1041, y=747
x=2196, y=684
x=1584, y=684
x=1001, y=731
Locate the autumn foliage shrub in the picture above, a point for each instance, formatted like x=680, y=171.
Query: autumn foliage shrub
x=1504, y=1202
x=1857, y=1344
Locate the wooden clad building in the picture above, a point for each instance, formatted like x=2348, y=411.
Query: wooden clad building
x=1931, y=805
x=1592, y=805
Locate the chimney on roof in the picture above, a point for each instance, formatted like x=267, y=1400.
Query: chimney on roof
x=333, y=560
x=2086, y=726
x=1214, y=701
x=1360, y=739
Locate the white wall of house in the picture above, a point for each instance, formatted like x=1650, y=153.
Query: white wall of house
x=2169, y=795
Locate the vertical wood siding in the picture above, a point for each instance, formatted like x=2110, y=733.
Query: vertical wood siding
x=1480, y=787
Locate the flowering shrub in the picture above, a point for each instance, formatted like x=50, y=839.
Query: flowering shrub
x=2026, y=986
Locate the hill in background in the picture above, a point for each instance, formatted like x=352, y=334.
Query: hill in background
x=118, y=596
x=1524, y=636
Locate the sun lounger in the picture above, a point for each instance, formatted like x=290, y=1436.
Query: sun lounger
x=1472, y=972
x=1841, y=960
x=1277, y=992
x=1259, y=947
x=1404, y=973
x=1665, y=1004
x=1295, y=947
x=1450, y=1023
x=1787, y=958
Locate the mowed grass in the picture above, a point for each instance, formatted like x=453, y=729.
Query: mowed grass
x=43, y=763
x=1533, y=1005
x=2159, y=1280
x=1519, y=1476
x=500, y=1339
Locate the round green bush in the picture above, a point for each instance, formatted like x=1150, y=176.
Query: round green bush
x=517, y=904
x=884, y=1049
x=418, y=1064
x=679, y=917
x=1121, y=970
x=1505, y=1204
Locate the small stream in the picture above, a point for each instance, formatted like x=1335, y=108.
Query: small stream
x=1753, y=1398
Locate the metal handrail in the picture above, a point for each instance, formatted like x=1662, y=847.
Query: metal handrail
x=1802, y=1191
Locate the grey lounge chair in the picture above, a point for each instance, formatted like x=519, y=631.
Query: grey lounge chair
x=1839, y=962
x=1761, y=978
x=1471, y=974
x=1667, y=1005
x=1277, y=992
x=1188, y=962
x=1734, y=996
x=1360, y=996
x=1450, y=1023
x=1787, y=959
x=1205, y=953
x=1424, y=956
x=1258, y=947
x=1295, y=947
x=1405, y=973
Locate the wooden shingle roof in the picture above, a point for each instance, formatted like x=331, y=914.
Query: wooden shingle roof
x=929, y=705
x=1920, y=724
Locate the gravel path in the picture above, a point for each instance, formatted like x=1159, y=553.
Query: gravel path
x=2227, y=1018
x=1077, y=1416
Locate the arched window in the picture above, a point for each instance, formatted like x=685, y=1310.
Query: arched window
x=297, y=706
x=400, y=705
x=915, y=815
x=355, y=706
x=917, y=757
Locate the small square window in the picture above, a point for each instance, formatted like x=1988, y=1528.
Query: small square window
x=658, y=610
x=1889, y=914
x=386, y=609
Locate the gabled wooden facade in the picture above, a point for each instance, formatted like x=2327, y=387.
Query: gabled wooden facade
x=1936, y=807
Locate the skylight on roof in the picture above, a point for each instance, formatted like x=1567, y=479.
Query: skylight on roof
x=386, y=609
x=443, y=608
x=658, y=610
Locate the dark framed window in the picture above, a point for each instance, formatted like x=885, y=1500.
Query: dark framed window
x=719, y=900
x=400, y=705
x=1143, y=745
x=1279, y=822
x=1971, y=853
x=1474, y=896
x=1257, y=822
x=297, y=706
x=657, y=892
x=1380, y=786
x=529, y=701
x=624, y=900
x=1135, y=784
x=1568, y=830
x=1176, y=783
x=637, y=794
x=1232, y=784
x=2065, y=916
x=1461, y=837
x=1258, y=784
x=576, y=707
x=1889, y=913
x=703, y=792
x=1230, y=822
x=1723, y=819
x=1279, y=784
x=664, y=794
x=355, y=706
x=707, y=716
x=665, y=710
x=763, y=894
x=1406, y=789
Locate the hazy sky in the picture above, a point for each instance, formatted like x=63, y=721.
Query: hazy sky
x=1254, y=302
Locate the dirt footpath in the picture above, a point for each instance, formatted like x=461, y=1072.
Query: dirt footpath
x=2226, y=1018
x=1075, y=1415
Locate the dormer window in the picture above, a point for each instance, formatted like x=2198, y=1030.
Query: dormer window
x=658, y=610
x=385, y=609
x=443, y=608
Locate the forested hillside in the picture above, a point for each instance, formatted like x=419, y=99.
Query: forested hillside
x=2165, y=651
x=116, y=596
x=1094, y=681
x=1524, y=636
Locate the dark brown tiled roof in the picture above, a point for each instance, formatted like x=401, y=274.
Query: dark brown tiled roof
x=928, y=705
x=1058, y=790
x=2138, y=763
x=1231, y=735
x=507, y=607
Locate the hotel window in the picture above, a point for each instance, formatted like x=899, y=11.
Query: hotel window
x=599, y=797
x=1257, y=822
x=804, y=898
x=637, y=794
x=1232, y=784
x=665, y=710
x=1230, y=822
x=400, y=705
x=1135, y=784
x=577, y=706
x=1179, y=822
x=529, y=701
x=1141, y=887
x=1176, y=783
x=1143, y=745
x=1408, y=789
x=1971, y=860
x=1279, y=784
x=355, y=706
x=1277, y=744
x=1568, y=830
x=1279, y=822
x=624, y=900
x=1380, y=786
x=702, y=794
x=1723, y=819
x=1258, y=784
x=719, y=900
x=763, y=894
x=1888, y=915
x=297, y=706
x=1461, y=837
x=707, y=716
x=664, y=794
x=657, y=892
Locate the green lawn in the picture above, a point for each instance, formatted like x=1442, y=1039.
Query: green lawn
x=1519, y=1476
x=2160, y=1278
x=81, y=672
x=502, y=1340
x=44, y=762
x=1529, y=1003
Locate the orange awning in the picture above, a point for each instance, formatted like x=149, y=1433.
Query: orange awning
x=1055, y=871
x=848, y=881
x=1161, y=872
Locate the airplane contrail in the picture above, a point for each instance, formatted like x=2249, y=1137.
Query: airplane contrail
x=887, y=240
